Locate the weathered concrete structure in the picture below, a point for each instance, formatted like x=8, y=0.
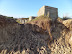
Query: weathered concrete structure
x=23, y=20
x=31, y=17
x=51, y=12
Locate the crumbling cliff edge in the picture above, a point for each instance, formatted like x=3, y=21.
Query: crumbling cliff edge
x=34, y=37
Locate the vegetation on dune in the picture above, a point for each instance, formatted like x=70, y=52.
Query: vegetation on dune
x=18, y=21
x=40, y=18
x=6, y=16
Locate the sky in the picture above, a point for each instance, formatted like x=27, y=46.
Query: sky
x=26, y=8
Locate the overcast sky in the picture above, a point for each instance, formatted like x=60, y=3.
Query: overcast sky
x=26, y=8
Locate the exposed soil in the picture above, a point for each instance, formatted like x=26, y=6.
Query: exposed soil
x=40, y=36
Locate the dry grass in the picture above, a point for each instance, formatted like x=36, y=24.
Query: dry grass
x=45, y=23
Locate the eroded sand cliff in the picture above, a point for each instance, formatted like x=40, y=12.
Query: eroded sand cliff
x=34, y=37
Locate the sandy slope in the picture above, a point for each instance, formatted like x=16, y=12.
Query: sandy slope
x=34, y=37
